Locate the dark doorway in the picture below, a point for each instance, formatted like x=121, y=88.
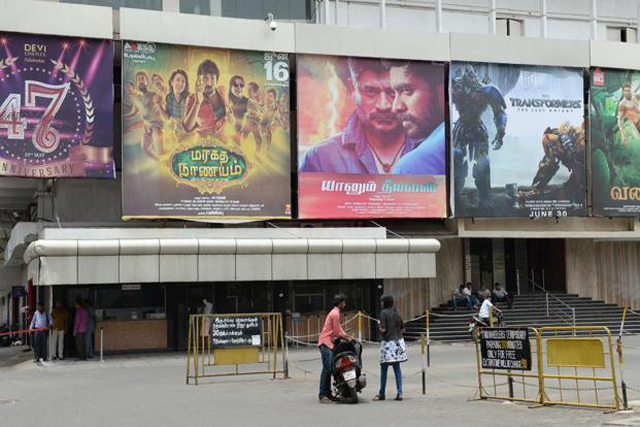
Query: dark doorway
x=177, y=316
x=546, y=259
x=522, y=265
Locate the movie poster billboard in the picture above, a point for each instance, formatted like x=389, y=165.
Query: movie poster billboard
x=615, y=142
x=56, y=107
x=205, y=133
x=517, y=141
x=371, y=138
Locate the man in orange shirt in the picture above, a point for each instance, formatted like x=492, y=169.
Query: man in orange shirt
x=330, y=331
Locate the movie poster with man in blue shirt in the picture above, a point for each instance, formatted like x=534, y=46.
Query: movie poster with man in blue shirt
x=371, y=138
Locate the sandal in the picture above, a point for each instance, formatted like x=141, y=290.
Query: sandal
x=377, y=398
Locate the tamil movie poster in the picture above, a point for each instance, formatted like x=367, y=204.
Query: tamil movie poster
x=517, y=141
x=56, y=107
x=205, y=133
x=615, y=141
x=371, y=138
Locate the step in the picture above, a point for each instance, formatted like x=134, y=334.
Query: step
x=585, y=321
x=528, y=310
x=436, y=334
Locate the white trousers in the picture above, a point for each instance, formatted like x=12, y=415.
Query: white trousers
x=57, y=341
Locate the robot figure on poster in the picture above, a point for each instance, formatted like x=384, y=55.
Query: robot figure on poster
x=471, y=98
x=563, y=145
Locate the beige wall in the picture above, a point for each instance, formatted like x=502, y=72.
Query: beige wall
x=608, y=271
x=414, y=296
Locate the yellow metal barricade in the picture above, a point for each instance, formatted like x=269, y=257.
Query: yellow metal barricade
x=519, y=385
x=570, y=365
x=579, y=367
x=207, y=360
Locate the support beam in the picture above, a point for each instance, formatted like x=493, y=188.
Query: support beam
x=543, y=18
x=638, y=25
x=594, y=19
x=438, y=16
x=171, y=6
x=383, y=14
x=492, y=18
x=326, y=12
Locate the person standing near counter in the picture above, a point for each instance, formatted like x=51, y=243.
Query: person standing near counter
x=60, y=319
x=80, y=329
x=91, y=326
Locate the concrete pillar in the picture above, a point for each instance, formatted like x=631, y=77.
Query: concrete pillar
x=543, y=18
x=438, y=16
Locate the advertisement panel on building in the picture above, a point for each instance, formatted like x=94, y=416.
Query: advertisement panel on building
x=205, y=133
x=371, y=138
x=56, y=106
x=615, y=140
x=518, y=141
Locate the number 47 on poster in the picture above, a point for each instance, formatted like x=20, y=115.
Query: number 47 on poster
x=45, y=138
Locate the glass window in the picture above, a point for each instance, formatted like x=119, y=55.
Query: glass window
x=258, y=9
x=143, y=302
x=135, y=4
x=198, y=7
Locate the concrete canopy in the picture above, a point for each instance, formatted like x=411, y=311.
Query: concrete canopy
x=111, y=261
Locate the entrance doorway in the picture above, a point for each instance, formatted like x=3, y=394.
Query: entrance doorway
x=521, y=265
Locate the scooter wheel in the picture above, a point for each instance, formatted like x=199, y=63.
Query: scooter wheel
x=353, y=395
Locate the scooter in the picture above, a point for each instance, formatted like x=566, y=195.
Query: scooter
x=476, y=323
x=349, y=380
x=9, y=340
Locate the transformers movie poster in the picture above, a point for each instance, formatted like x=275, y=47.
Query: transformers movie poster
x=615, y=142
x=371, y=138
x=56, y=107
x=517, y=141
x=205, y=133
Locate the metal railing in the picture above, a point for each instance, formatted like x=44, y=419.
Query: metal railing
x=562, y=311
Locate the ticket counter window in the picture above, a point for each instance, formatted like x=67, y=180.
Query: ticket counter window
x=130, y=302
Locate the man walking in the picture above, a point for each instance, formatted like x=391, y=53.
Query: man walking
x=60, y=319
x=330, y=331
x=41, y=320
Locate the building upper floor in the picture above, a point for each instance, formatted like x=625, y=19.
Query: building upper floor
x=613, y=20
x=69, y=201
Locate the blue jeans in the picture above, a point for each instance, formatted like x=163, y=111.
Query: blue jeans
x=461, y=301
x=325, y=375
x=88, y=343
x=383, y=377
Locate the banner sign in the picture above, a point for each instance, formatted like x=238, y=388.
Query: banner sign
x=503, y=348
x=56, y=107
x=205, y=133
x=615, y=142
x=371, y=138
x=236, y=332
x=517, y=141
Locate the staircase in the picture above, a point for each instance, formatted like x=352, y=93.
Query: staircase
x=528, y=311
